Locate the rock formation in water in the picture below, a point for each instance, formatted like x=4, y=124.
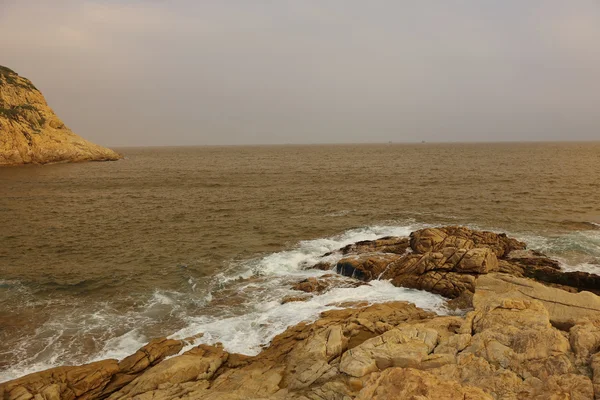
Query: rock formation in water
x=30, y=132
x=528, y=331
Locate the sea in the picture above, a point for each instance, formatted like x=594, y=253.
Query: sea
x=202, y=243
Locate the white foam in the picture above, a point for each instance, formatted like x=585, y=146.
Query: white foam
x=576, y=251
x=122, y=346
x=309, y=252
x=249, y=332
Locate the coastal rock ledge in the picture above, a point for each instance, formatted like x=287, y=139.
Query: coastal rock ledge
x=30, y=132
x=524, y=330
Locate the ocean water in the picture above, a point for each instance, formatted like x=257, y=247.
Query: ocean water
x=203, y=242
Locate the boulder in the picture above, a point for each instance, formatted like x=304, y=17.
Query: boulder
x=565, y=309
x=325, y=283
x=90, y=381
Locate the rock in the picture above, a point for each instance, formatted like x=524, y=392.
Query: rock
x=564, y=308
x=434, y=239
x=291, y=299
x=401, y=347
x=390, y=244
x=449, y=272
x=366, y=267
x=30, y=132
x=532, y=258
x=408, y=383
x=595, y=367
x=324, y=283
x=198, y=364
x=585, y=339
x=90, y=381
x=62, y=383
x=149, y=355
x=448, y=260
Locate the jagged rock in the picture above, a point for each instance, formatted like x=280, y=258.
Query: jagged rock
x=198, y=364
x=90, y=381
x=564, y=308
x=434, y=239
x=149, y=355
x=324, y=283
x=62, y=383
x=30, y=132
x=448, y=261
x=401, y=347
x=291, y=299
x=585, y=339
x=366, y=267
x=449, y=272
x=389, y=244
x=532, y=258
x=408, y=383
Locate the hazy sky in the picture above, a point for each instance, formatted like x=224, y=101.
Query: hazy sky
x=177, y=72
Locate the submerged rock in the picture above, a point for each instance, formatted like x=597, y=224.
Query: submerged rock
x=30, y=132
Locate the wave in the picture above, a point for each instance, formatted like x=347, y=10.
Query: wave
x=576, y=251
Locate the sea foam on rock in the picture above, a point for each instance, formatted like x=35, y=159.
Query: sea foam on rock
x=522, y=339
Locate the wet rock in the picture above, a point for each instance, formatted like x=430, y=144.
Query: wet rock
x=390, y=244
x=532, y=258
x=292, y=299
x=324, y=283
x=366, y=267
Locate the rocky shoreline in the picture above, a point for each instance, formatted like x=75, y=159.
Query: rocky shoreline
x=523, y=329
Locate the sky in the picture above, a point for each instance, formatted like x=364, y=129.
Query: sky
x=199, y=72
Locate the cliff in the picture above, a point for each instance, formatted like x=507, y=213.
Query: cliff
x=30, y=132
x=526, y=330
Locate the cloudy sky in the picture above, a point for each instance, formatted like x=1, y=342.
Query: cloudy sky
x=184, y=72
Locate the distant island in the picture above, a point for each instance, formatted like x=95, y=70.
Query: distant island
x=31, y=133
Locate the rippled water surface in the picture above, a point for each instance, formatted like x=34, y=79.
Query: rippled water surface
x=97, y=258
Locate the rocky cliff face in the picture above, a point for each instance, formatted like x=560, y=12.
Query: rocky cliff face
x=514, y=339
x=30, y=132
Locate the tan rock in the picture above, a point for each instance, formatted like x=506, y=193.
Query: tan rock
x=366, y=267
x=324, y=283
x=391, y=244
x=411, y=384
x=86, y=381
x=30, y=132
x=198, y=364
x=90, y=381
x=400, y=347
x=564, y=308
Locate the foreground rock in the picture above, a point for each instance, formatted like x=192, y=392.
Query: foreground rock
x=30, y=132
x=522, y=340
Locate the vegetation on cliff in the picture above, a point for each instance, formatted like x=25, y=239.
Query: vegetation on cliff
x=30, y=132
